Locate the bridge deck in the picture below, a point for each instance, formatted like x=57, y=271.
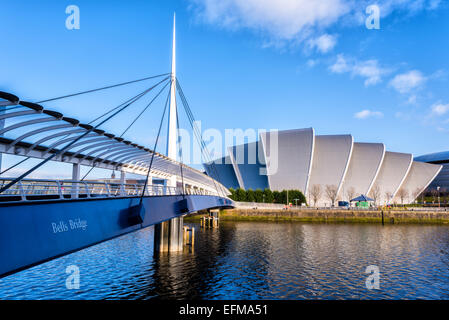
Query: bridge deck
x=37, y=231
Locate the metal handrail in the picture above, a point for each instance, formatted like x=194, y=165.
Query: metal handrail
x=30, y=189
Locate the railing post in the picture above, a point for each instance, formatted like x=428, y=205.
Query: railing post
x=61, y=196
x=87, y=189
x=107, y=189
x=22, y=191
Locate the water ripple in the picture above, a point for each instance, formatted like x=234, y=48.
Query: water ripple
x=253, y=261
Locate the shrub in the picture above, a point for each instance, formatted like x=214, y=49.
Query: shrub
x=250, y=195
x=268, y=195
x=258, y=195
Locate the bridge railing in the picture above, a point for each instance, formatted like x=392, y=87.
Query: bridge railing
x=41, y=189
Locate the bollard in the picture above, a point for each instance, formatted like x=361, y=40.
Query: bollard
x=192, y=236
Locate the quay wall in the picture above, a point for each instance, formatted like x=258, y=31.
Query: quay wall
x=333, y=215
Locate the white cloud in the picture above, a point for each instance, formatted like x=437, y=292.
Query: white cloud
x=298, y=20
x=312, y=62
x=412, y=99
x=406, y=82
x=364, y=114
x=323, y=43
x=341, y=65
x=368, y=69
x=439, y=109
x=283, y=19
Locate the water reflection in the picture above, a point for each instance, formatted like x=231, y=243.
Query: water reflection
x=253, y=261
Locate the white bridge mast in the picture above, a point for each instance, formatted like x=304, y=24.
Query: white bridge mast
x=172, y=135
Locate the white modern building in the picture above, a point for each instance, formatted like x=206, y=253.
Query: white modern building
x=299, y=159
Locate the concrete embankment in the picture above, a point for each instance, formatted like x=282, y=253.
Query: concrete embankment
x=333, y=215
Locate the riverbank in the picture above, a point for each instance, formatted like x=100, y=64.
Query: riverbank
x=332, y=215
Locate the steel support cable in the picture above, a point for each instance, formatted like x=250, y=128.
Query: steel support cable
x=62, y=138
x=198, y=134
x=15, y=165
x=135, y=119
x=103, y=88
x=155, y=146
x=63, y=150
x=180, y=153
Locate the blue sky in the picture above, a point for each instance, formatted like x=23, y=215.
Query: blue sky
x=243, y=64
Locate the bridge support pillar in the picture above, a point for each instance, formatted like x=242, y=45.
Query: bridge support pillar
x=169, y=235
x=76, y=177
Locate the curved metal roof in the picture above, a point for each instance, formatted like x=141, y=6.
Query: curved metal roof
x=437, y=157
x=31, y=130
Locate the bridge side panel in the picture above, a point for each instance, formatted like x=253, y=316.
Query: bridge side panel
x=35, y=232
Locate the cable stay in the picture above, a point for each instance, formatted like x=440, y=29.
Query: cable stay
x=14, y=165
x=134, y=121
x=198, y=135
x=154, y=149
x=103, y=88
x=64, y=149
x=180, y=154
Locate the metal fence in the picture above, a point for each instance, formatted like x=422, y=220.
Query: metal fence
x=35, y=189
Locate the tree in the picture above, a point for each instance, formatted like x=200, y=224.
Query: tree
x=331, y=193
x=296, y=194
x=277, y=197
x=232, y=195
x=268, y=195
x=375, y=193
x=351, y=193
x=389, y=196
x=402, y=194
x=240, y=195
x=250, y=195
x=434, y=194
x=258, y=195
x=416, y=194
x=283, y=197
x=315, y=193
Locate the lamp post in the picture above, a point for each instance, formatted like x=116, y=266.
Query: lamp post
x=438, y=189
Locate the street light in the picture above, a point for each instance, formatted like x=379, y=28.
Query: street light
x=296, y=202
x=438, y=189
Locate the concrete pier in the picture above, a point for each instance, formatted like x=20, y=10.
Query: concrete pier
x=169, y=235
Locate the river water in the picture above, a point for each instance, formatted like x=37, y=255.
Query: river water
x=253, y=260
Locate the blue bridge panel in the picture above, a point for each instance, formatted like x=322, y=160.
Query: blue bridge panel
x=37, y=231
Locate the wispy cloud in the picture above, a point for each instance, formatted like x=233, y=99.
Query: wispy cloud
x=406, y=82
x=323, y=43
x=296, y=20
x=368, y=69
x=439, y=109
x=365, y=114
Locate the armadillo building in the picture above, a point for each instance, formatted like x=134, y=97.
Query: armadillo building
x=440, y=158
x=300, y=159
